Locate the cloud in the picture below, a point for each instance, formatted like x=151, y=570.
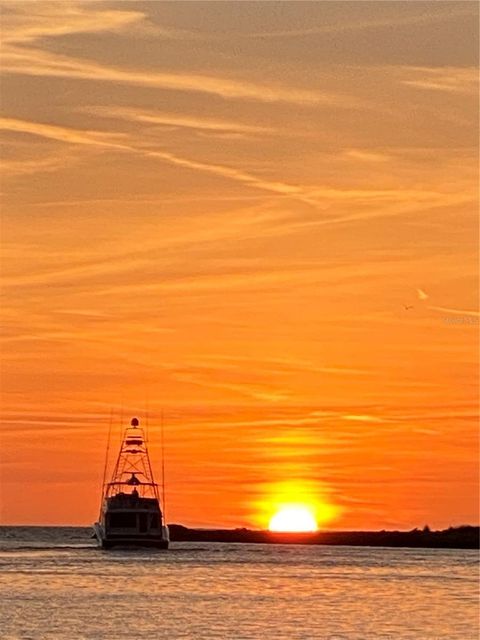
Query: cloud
x=36, y=62
x=459, y=312
x=422, y=295
x=367, y=155
x=113, y=141
x=395, y=20
x=23, y=28
x=176, y=120
x=462, y=80
x=381, y=202
x=147, y=199
x=278, y=187
x=364, y=418
x=279, y=365
x=28, y=22
x=264, y=393
x=40, y=165
x=62, y=134
x=188, y=282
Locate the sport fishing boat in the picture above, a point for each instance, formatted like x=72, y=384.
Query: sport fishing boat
x=130, y=513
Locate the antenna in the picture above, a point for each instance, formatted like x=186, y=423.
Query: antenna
x=164, y=504
x=121, y=423
x=147, y=424
x=106, y=459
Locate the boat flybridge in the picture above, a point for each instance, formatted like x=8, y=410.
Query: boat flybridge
x=130, y=513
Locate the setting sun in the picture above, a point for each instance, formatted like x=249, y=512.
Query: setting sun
x=293, y=518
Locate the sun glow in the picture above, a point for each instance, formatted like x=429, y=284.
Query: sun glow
x=292, y=518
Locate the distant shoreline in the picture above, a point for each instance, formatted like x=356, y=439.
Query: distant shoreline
x=464, y=537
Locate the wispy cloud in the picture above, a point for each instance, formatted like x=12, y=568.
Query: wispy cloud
x=27, y=27
x=422, y=295
x=462, y=80
x=367, y=155
x=120, y=142
x=177, y=120
x=388, y=202
x=277, y=365
x=62, y=134
x=459, y=312
x=36, y=62
x=266, y=393
x=364, y=418
x=50, y=163
x=346, y=25
x=28, y=22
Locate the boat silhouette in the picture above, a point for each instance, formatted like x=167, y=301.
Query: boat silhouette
x=130, y=511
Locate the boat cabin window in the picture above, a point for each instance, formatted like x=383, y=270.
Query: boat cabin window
x=123, y=520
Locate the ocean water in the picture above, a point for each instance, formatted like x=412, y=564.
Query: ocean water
x=55, y=585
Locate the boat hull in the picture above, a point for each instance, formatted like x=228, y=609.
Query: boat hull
x=108, y=540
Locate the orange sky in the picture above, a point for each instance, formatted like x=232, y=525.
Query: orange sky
x=222, y=210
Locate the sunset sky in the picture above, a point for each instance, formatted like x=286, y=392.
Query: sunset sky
x=261, y=219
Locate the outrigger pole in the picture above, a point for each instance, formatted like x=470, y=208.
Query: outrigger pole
x=106, y=459
x=147, y=422
x=163, y=468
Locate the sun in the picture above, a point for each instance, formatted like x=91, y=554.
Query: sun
x=292, y=518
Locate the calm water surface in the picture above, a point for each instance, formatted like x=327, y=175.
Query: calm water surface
x=55, y=585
